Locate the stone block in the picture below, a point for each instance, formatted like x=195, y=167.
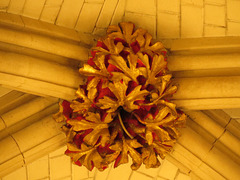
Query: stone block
x=102, y=174
x=233, y=10
x=69, y=13
x=106, y=13
x=136, y=175
x=94, y=1
x=58, y=152
x=167, y=170
x=50, y=11
x=60, y=167
x=169, y=6
x=178, y=164
x=191, y=21
x=147, y=22
x=153, y=172
x=67, y=178
x=100, y=31
x=16, y=6
x=92, y=173
x=4, y=5
x=193, y=2
x=215, y=2
x=88, y=17
x=124, y=171
x=141, y=6
x=182, y=176
x=233, y=29
x=213, y=31
x=119, y=12
x=159, y=178
x=79, y=172
x=19, y=174
x=38, y=169
x=215, y=15
x=168, y=26
x=33, y=9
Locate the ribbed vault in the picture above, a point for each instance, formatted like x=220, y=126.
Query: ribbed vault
x=38, y=66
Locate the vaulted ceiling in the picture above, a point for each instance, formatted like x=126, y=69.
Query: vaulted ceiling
x=42, y=44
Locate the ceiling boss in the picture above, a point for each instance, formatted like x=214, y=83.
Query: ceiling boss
x=124, y=108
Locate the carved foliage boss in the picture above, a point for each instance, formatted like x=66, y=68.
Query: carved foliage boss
x=124, y=108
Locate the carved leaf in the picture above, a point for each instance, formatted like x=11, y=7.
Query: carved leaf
x=127, y=102
x=120, y=63
x=150, y=157
x=64, y=112
x=127, y=33
x=111, y=47
x=163, y=148
x=59, y=117
x=102, y=73
x=149, y=49
x=158, y=66
x=154, y=126
x=99, y=128
x=87, y=156
x=127, y=146
x=86, y=103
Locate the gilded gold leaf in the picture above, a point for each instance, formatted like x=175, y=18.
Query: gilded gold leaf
x=161, y=133
x=99, y=128
x=116, y=130
x=102, y=73
x=118, y=76
x=136, y=94
x=149, y=49
x=128, y=146
x=127, y=102
x=181, y=121
x=120, y=63
x=127, y=77
x=88, y=70
x=114, y=30
x=69, y=133
x=82, y=106
x=127, y=33
x=162, y=148
x=109, y=158
x=172, y=131
x=112, y=48
x=164, y=116
x=158, y=65
x=59, y=117
x=87, y=155
x=150, y=157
